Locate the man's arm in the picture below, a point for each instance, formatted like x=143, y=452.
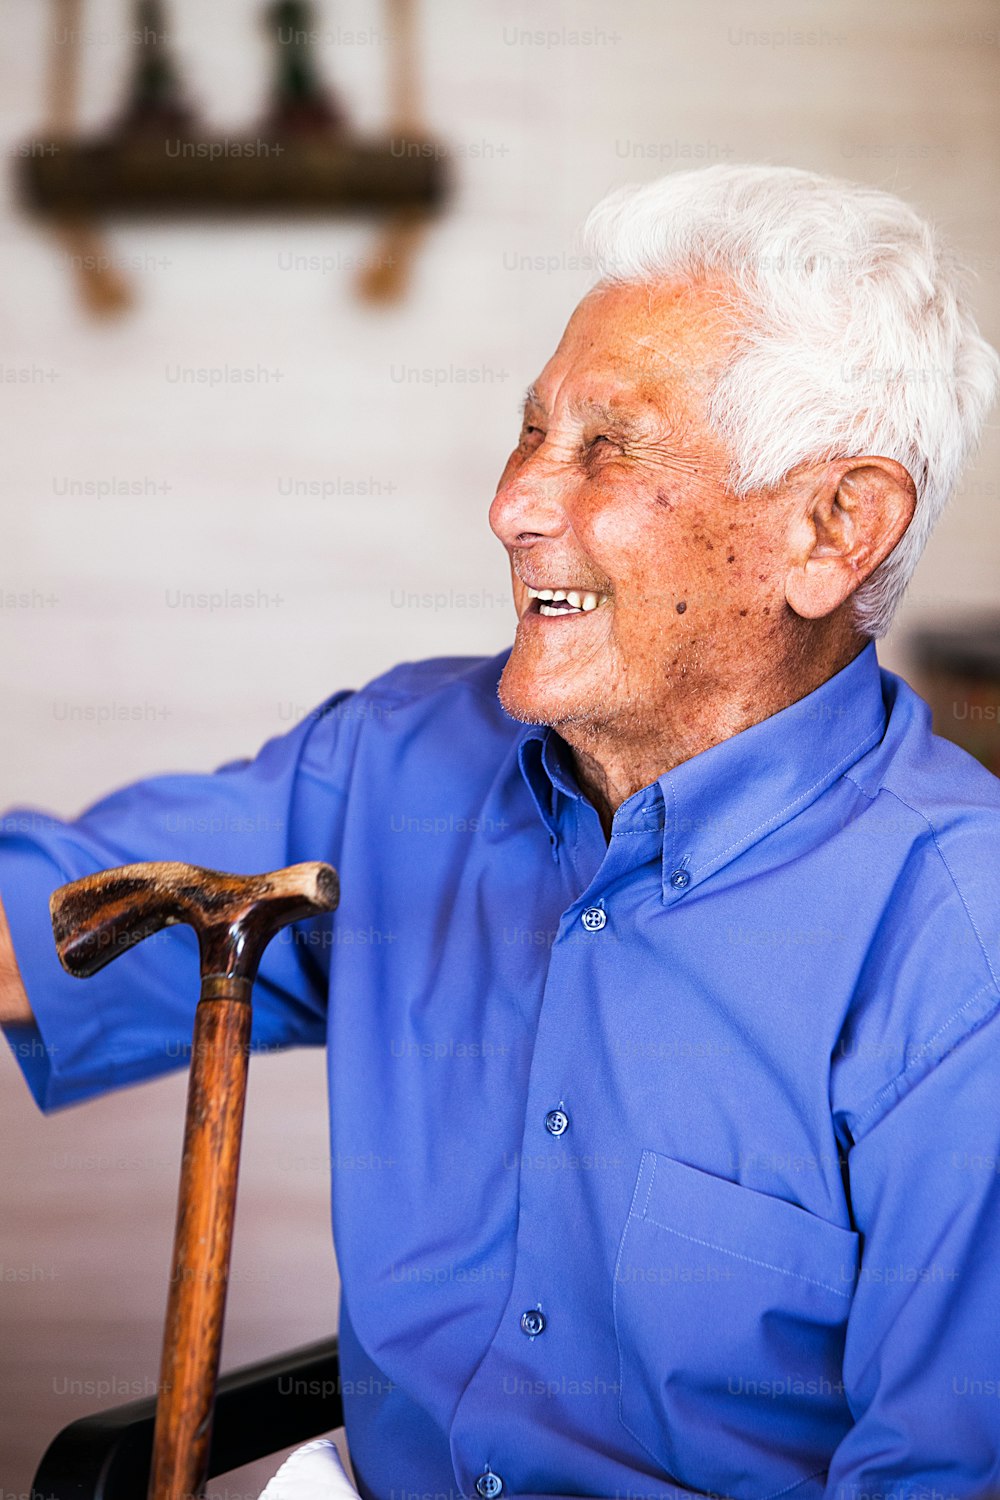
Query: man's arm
x=922, y=1362
x=132, y=1020
x=14, y=1007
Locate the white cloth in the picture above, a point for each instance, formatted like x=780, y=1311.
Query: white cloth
x=314, y=1472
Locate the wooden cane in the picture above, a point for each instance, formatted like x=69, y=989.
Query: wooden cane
x=235, y=917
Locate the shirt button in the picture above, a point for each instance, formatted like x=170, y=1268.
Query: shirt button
x=556, y=1122
x=532, y=1322
x=680, y=879
x=489, y=1485
x=593, y=919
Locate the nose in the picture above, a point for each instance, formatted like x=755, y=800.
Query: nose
x=528, y=504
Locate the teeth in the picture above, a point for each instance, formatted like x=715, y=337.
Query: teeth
x=577, y=598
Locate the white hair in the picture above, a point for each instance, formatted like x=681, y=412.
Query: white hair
x=855, y=335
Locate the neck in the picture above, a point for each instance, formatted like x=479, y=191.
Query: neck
x=614, y=760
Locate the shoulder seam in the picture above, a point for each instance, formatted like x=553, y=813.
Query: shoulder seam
x=951, y=874
x=891, y=1087
x=894, y=1084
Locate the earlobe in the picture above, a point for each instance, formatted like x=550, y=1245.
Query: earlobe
x=818, y=586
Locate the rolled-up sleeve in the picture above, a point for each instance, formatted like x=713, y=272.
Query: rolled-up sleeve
x=922, y=1358
x=133, y=1020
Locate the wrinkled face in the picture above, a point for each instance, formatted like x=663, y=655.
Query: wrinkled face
x=637, y=575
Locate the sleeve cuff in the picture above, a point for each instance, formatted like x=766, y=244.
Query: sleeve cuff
x=71, y=1053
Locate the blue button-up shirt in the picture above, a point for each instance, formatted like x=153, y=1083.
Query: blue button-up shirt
x=662, y=1164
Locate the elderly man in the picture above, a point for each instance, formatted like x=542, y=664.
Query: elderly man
x=665, y=1130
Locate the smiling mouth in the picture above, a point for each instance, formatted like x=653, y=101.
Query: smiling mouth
x=551, y=602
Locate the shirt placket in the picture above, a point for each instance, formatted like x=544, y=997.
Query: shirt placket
x=535, y=1350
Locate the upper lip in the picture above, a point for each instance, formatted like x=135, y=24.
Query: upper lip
x=545, y=586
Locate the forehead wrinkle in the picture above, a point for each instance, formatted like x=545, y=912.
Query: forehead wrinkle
x=652, y=391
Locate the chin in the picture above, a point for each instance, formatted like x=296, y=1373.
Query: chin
x=527, y=697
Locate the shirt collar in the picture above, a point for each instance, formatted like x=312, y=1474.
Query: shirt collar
x=725, y=799
x=547, y=767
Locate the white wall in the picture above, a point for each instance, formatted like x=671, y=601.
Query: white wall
x=903, y=94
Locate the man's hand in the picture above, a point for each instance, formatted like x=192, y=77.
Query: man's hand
x=14, y=1007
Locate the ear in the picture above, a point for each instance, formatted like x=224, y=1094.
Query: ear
x=854, y=513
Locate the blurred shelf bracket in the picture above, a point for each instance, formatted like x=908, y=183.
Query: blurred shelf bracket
x=304, y=159
x=957, y=670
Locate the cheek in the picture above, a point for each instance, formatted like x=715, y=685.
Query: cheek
x=614, y=526
x=674, y=565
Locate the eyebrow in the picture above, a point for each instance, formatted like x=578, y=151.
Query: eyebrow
x=618, y=417
x=607, y=413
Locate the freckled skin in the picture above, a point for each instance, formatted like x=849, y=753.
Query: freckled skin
x=619, y=485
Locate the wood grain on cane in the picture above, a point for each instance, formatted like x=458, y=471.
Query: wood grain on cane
x=234, y=916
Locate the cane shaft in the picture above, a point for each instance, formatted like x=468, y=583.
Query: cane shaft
x=235, y=917
x=192, y=1336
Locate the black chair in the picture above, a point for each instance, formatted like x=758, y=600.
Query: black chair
x=260, y=1409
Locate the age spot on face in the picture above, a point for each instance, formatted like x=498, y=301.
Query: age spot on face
x=681, y=607
x=664, y=500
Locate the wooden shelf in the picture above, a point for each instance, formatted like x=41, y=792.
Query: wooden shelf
x=142, y=174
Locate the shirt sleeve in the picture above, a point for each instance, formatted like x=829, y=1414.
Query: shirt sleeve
x=133, y=1020
x=922, y=1357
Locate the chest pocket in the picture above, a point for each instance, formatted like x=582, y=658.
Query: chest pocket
x=730, y=1315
